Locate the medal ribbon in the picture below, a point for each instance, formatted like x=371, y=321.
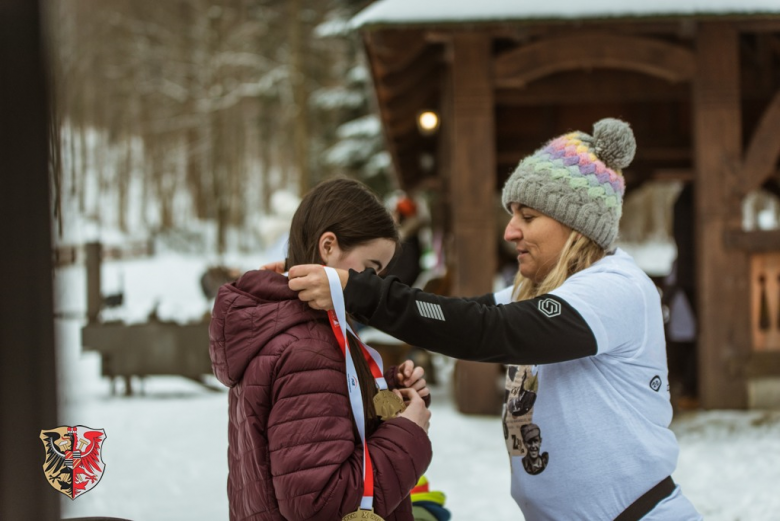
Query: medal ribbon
x=338, y=321
x=373, y=358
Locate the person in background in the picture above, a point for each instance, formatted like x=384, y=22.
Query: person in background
x=582, y=319
x=406, y=265
x=294, y=450
x=680, y=297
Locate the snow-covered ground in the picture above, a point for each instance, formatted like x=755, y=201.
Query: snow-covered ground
x=165, y=451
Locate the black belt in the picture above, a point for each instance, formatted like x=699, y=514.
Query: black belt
x=639, y=508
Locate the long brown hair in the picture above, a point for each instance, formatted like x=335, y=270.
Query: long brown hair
x=349, y=210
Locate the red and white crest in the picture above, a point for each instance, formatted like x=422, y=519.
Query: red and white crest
x=73, y=461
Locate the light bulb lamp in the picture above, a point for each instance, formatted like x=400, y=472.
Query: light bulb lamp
x=428, y=122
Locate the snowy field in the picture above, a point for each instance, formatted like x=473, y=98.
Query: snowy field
x=165, y=450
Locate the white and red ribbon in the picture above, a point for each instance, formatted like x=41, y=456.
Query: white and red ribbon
x=338, y=321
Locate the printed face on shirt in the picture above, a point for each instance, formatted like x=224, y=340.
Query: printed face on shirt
x=538, y=239
x=375, y=254
x=534, y=444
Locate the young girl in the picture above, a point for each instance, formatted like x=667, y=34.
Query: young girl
x=294, y=449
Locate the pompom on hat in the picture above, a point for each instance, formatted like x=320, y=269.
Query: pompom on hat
x=577, y=180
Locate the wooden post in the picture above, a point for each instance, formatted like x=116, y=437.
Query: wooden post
x=722, y=275
x=472, y=189
x=94, y=253
x=28, y=379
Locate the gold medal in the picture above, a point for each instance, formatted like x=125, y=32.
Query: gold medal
x=361, y=514
x=387, y=404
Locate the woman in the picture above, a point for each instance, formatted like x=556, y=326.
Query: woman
x=587, y=415
x=295, y=451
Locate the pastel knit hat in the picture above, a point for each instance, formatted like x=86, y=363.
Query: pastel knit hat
x=577, y=180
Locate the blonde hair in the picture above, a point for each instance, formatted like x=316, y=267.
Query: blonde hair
x=578, y=253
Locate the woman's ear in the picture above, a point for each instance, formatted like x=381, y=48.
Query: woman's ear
x=328, y=246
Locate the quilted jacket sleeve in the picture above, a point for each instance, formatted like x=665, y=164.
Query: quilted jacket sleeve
x=316, y=456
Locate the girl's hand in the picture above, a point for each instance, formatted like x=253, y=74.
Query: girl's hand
x=311, y=283
x=415, y=411
x=277, y=266
x=411, y=377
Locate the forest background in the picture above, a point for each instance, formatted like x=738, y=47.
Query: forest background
x=196, y=111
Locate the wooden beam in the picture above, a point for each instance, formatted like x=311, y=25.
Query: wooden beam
x=413, y=101
x=762, y=363
x=384, y=114
x=600, y=87
x=759, y=241
x=394, y=50
x=774, y=43
x=594, y=50
x=764, y=149
x=472, y=189
x=425, y=67
x=769, y=24
x=722, y=274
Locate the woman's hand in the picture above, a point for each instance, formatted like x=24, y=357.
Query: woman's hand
x=311, y=283
x=409, y=376
x=277, y=266
x=415, y=411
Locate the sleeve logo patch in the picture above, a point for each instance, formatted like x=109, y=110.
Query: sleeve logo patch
x=430, y=310
x=550, y=307
x=655, y=383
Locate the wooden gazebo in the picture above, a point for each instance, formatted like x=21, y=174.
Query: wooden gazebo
x=700, y=86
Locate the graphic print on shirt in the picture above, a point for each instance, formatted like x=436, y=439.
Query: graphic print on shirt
x=523, y=437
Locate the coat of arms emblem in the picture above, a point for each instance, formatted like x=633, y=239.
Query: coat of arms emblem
x=73, y=463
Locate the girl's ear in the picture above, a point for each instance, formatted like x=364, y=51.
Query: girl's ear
x=328, y=247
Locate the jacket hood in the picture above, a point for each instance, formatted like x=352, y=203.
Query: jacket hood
x=247, y=315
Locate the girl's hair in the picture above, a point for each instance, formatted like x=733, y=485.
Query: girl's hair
x=349, y=210
x=345, y=207
x=578, y=253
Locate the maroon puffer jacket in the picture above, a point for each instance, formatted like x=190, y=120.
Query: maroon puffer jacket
x=293, y=451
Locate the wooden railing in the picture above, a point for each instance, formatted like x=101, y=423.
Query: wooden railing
x=66, y=255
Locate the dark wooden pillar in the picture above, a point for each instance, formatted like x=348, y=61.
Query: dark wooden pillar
x=472, y=192
x=28, y=401
x=723, y=305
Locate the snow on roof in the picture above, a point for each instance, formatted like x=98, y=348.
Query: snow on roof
x=424, y=12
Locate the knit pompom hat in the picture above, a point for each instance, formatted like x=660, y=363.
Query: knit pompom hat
x=577, y=180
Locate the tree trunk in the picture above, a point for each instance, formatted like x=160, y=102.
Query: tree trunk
x=300, y=97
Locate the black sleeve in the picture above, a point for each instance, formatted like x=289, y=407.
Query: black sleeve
x=539, y=331
x=487, y=299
